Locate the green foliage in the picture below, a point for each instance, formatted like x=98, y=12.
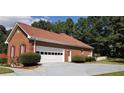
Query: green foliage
x=28, y=59
x=3, y=36
x=90, y=59
x=82, y=59
x=5, y=70
x=3, y=60
x=78, y=59
x=58, y=27
x=42, y=24
x=119, y=73
x=104, y=33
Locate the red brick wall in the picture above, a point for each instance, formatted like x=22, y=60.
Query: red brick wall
x=78, y=52
x=18, y=39
x=74, y=51
x=3, y=56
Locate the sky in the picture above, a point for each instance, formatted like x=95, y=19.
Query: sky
x=9, y=21
x=56, y=18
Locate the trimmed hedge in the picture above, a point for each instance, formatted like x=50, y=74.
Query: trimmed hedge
x=81, y=59
x=78, y=59
x=90, y=59
x=28, y=59
x=3, y=60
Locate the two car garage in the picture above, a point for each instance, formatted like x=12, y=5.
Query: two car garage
x=49, y=54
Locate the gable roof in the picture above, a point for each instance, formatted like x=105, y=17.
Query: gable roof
x=51, y=37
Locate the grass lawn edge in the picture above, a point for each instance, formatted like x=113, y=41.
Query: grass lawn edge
x=117, y=73
x=5, y=70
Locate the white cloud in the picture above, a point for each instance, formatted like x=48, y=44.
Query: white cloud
x=9, y=21
x=37, y=19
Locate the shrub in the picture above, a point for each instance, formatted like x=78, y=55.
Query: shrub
x=28, y=59
x=81, y=59
x=78, y=59
x=3, y=60
x=89, y=59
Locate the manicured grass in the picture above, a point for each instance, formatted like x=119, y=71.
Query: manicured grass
x=6, y=65
x=5, y=70
x=112, y=61
x=109, y=62
x=120, y=73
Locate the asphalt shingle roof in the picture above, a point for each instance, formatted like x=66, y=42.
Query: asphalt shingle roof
x=40, y=33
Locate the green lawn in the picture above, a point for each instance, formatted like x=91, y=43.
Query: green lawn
x=112, y=61
x=120, y=73
x=5, y=70
x=6, y=65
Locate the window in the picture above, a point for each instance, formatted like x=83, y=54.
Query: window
x=49, y=53
x=42, y=53
x=58, y=53
x=22, y=49
x=12, y=51
x=55, y=53
x=61, y=53
x=52, y=53
x=45, y=53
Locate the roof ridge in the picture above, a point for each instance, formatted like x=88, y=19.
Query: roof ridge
x=61, y=37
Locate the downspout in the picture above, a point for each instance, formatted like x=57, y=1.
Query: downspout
x=34, y=46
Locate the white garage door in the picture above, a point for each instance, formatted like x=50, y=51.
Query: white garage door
x=49, y=54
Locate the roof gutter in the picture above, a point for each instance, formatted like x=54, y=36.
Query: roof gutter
x=54, y=42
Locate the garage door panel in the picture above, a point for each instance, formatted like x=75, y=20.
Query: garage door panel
x=49, y=54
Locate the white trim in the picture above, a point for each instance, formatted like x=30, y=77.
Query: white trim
x=63, y=55
x=24, y=31
x=53, y=41
x=49, y=41
x=13, y=30
x=12, y=51
x=70, y=55
x=34, y=46
x=11, y=33
x=91, y=54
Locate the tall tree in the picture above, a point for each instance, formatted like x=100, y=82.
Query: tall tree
x=105, y=34
x=69, y=26
x=3, y=36
x=46, y=25
x=59, y=27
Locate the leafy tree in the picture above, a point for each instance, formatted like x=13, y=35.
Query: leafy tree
x=104, y=33
x=46, y=25
x=58, y=27
x=3, y=36
x=69, y=26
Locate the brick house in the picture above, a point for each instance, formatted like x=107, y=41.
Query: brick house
x=3, y=56
x=51, y=46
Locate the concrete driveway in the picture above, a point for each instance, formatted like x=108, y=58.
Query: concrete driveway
x=67, y=69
